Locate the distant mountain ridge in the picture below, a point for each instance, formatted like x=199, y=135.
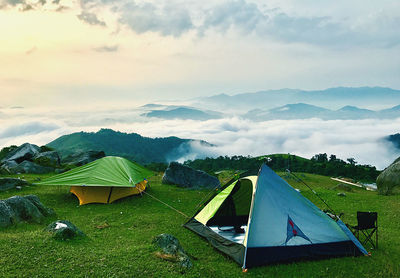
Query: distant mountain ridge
x=130, y=145
x=179, y=112
x=307, y=111
x=332, y=97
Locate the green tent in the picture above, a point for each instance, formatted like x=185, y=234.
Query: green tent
x=104, y=180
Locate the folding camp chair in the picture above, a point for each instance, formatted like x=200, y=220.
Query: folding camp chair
x=367, y=223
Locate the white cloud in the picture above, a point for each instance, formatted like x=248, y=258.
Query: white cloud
x=361, y=139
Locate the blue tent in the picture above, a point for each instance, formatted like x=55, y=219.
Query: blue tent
x=261, y=219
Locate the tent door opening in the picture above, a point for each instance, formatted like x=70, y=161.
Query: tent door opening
x=230, y=221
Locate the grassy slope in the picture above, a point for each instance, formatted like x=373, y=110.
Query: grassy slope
x=124, y=249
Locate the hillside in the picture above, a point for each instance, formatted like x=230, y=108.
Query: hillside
x=318, y=164
x=394, y=139
x=130, y=145
x=119, y=236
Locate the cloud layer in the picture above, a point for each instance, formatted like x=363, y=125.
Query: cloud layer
x=328, y=26
x=361, y=139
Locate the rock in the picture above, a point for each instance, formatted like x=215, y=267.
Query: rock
x=31, y=168
x=11, y=183
x=24, y=209
x=9, y=165
x=24, y=152
x=48, y=159
x=6, y=215
x=341, y=194
x=82, y=158
x=388, y=182
x=343, y=186
x=35, y=200
x=63, y=230
x=172, y=250
x=16, y=209
x=185, y=176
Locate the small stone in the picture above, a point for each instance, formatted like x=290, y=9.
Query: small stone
x=172, y=250
x=63, y=230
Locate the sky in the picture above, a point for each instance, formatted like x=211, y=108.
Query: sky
x=68, y=66
x=56, y=52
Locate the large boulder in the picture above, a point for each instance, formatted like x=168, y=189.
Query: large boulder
x=11, y=183
x=24, y=152
x=63, y=230
x=7, y=215
x=31, y=168
x=24, y=209
x=82, y=158
x=388, y=182
x=43, y=210
x=48, y=159
x=185, y=176
x=17, y=208
x=8, y=166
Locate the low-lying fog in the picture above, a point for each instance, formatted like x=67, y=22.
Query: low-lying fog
x=360, y=139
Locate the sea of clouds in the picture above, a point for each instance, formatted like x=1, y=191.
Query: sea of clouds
x=233, y=135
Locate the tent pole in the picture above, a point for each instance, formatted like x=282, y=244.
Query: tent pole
x=248, y=225
x=312, y=191
x=109, y=195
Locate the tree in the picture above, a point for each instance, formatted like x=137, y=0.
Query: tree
x=352, y=161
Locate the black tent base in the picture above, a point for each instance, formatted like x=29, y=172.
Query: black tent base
x=258, y=256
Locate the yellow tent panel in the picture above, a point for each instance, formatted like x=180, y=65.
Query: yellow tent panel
x=105, y=194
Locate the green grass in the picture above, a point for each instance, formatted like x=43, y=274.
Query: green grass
x=124, y=249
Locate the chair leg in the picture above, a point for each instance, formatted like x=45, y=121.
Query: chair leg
x=368, y=237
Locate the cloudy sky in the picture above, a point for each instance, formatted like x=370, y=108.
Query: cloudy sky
x=81, y=65
x=80, y=52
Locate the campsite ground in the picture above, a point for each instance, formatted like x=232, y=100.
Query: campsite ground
x=119, y=235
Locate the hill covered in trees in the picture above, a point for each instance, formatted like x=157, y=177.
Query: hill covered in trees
x=130, y=145
x=395, y=139
x=318, y=164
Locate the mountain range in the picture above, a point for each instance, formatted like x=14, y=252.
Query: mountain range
x=333, y=98
x=306, y=111
x=169, y=112
x=130, y=145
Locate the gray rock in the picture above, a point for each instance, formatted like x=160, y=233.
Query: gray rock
x=8, y=166
x=185, y=176
x=48, y=159
x=6, y=215
x=16, y=209
x=388, y=182
x=24, y=152
x=82, y=158
x=35, y=200
x=341, y=194
x=171, y=247
x=24, y=209
x=31, y=168
x=63, y=230
x=11, y=183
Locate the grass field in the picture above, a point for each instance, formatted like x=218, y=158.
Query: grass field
x=124, y=248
